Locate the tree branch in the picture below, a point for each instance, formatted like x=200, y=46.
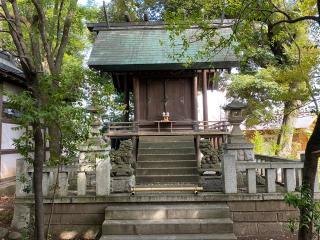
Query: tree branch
x=296, y=20
x=65, y=34
x=43, y=34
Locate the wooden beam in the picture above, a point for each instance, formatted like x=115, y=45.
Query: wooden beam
x=136, y=89
x=204, y=95
x=195, y=98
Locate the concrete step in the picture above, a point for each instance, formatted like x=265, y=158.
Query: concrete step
x=166, y=164
x=167, y=179
x=161, y=157
x=172, y=211
x=167, y=150
x=167, y=226
x=229, y=236
x=167, y=171
x=165, y=144
x=143, y=139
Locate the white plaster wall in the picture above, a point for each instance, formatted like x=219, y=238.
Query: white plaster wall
x=9, y=134
x=216, y=100
x=8, y=165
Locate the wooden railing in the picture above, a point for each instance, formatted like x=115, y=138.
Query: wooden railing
x=118, y=127
x=122, y=127
x=222, y=126
x=277, y=172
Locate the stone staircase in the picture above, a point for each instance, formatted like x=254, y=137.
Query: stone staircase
x=168, y=221
x=166, y=160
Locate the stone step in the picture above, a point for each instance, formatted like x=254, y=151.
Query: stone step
x=165, y=144
x=166, y=164
x=166, y=171
x=228, y=236
x=167, y=179
x=167, y=150
x=143, y=139
x=167, y=226
x=161, y=157
x=172, y=211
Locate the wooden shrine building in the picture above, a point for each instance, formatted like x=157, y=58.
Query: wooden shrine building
x=142, y=60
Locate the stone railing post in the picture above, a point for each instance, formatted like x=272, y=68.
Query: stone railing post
x=81, y=184
x=23, y=178
x=271, y=180
x=252, y=180
x=290, y=179
x=229, y=173
x=63, y=184
x=21, y=215
x=103, y=177
x=46, y=183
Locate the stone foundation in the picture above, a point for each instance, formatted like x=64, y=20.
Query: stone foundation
x=255, y=216
x=262, y=219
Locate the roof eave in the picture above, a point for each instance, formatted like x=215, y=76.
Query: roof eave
x=163, y=66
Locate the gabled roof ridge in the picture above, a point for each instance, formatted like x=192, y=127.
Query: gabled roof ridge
x=102, y=26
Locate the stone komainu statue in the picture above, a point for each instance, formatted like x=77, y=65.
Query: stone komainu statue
x=211, y=156
x=122, y=159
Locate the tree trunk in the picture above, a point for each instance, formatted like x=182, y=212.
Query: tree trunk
x=54, y=142
x=285, y=136
x=308, y=176
x=37, y=180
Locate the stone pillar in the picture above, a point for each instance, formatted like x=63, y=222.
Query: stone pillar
x=81, y=184
x=229, y=173
x=63, y=184
x=252, y=184
x=242, y=151
x=103, y=178
x=270, y=180
x=23, y=179
x=21, y=216
x=45, y=183
x=290, y=179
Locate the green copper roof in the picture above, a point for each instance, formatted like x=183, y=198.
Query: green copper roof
x=129, y=49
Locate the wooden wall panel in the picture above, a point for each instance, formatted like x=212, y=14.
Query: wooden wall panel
x=172, y=95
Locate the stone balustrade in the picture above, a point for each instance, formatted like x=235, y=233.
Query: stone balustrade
x=277, y=174
x=60, y=177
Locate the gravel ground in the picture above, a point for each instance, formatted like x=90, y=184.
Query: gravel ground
x=6, y=210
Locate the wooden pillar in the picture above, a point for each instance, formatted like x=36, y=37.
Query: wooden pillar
x=136, y=89
x=126, y=100
x=205, y=96
x=195, y=98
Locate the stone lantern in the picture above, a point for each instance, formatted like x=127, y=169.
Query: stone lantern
x=237, y=144
x=235, y=111
x=235, y=114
